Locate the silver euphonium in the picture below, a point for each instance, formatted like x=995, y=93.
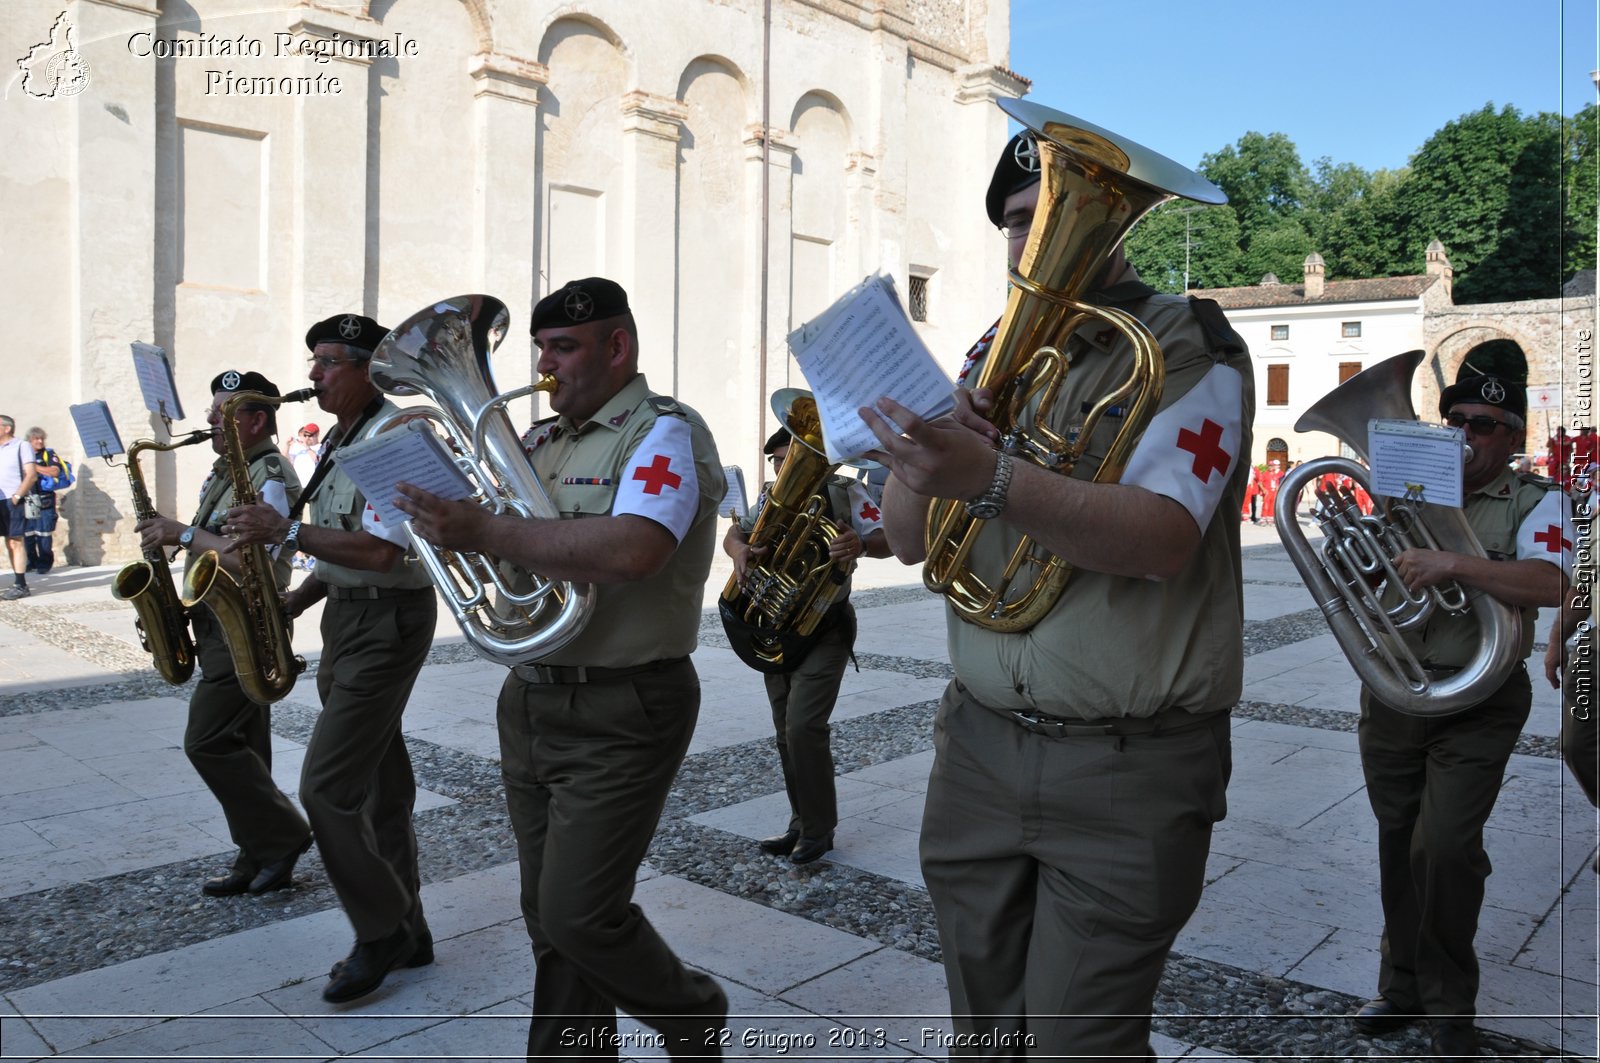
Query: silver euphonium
x=442, y=352
x=1352, y=575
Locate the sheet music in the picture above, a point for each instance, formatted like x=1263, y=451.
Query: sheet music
x=860, y=348
x=735, y=503
x=412, y=453
x=1424, y=460
x=155, y=381
x=96, y=430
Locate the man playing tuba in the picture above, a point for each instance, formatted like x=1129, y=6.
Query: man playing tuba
x=1079, y=765
x=1432, y=781
x=229, y=737
x=803, y=694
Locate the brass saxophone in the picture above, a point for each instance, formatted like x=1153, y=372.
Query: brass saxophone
x=249, y=609
x=162, y=622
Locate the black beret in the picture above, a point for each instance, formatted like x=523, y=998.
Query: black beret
x=780, y=438
x=1017, y=169
x=233, y=380
x=575, y=302
x=1487, y=390
x=352, y=330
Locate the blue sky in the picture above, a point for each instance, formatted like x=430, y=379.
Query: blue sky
x=1362, y=81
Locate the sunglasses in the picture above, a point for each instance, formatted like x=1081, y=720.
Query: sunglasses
x=1479, y=425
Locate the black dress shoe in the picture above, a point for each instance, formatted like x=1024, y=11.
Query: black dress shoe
x=422, y=957
x=1454, y=1039
x=1380, y=1015
x=368, y=965
x=280, y=873
x=232, y=884
x=780, y=844
x=808, y=849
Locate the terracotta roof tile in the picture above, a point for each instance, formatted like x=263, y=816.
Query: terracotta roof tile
x=1375, y=289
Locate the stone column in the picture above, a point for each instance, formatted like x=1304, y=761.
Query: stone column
x=332, y=232
x=755, y=421
x=652, y=127
x=505, y=140
x=111, y=125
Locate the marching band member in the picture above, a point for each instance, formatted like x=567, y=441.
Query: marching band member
x=592, y=736
x=357, y=783
x=228, y=738
x=1079, y=766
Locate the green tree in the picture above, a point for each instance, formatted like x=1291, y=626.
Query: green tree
x=1488, y=186
x=1156, y=246
x=1265, y=181
x=1280, y=250
x=1582, y=151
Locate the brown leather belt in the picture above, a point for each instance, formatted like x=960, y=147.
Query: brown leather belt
x=1165, y=722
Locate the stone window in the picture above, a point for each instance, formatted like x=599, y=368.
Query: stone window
x=1280, y=332
x=919, y=298
x=1350, y=330
x=1277, y=385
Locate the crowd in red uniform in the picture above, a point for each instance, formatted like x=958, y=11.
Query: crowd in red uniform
x=1570, y=462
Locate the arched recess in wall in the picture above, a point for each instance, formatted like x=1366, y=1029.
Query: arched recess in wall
x=714, y=232
x=1447, y=362
x=420, y=183
x=580, y=153
x=818, y=214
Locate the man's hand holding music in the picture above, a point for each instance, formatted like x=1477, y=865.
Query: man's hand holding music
x=457, y=525
x=948, y=457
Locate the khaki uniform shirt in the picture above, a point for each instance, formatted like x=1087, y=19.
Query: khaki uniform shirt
x=581, y=468
x=1117, y=646
x=216, y=497
x=1495, y=512
x=339, y=505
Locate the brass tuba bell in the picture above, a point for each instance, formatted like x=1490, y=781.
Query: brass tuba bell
x=1352, y=574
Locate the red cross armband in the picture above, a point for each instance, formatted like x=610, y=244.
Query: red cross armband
x=1547, y=534
x=1191, y=448
x=658, y=480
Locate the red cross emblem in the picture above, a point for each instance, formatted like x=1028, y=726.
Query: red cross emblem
x=1208, y=456
x=657, y=474
x=1551, y=539
x=869, y=511
x=375, y=518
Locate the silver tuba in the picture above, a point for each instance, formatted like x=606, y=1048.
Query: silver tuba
x=1352, y=575
x=442, y=352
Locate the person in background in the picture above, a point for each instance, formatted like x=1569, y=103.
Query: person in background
x=40, y=531
x=18, y=474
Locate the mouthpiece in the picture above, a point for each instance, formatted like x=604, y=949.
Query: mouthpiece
x=300, y=396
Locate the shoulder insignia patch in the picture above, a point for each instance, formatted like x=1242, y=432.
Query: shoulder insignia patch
x=666, y=405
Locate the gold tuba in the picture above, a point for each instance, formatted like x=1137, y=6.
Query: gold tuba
x=248, y=609
x=1094, y=185
x=1352, y=574
x=442, y=351
x=161, y=621
x=772, y=616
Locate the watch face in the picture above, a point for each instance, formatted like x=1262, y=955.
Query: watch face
x=983, y=510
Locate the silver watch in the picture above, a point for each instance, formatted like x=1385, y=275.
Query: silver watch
x=186, y=540
x=992, y=502
x=291, y=539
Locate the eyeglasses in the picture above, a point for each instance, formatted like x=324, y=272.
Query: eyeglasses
x=1016, y=230
x=1480, y=425
x=323, y=361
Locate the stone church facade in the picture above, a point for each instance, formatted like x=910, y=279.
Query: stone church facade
x=214, y=176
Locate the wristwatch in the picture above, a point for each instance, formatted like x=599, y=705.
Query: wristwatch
x=992, y=502
x=186, y=540
x=291, y=539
